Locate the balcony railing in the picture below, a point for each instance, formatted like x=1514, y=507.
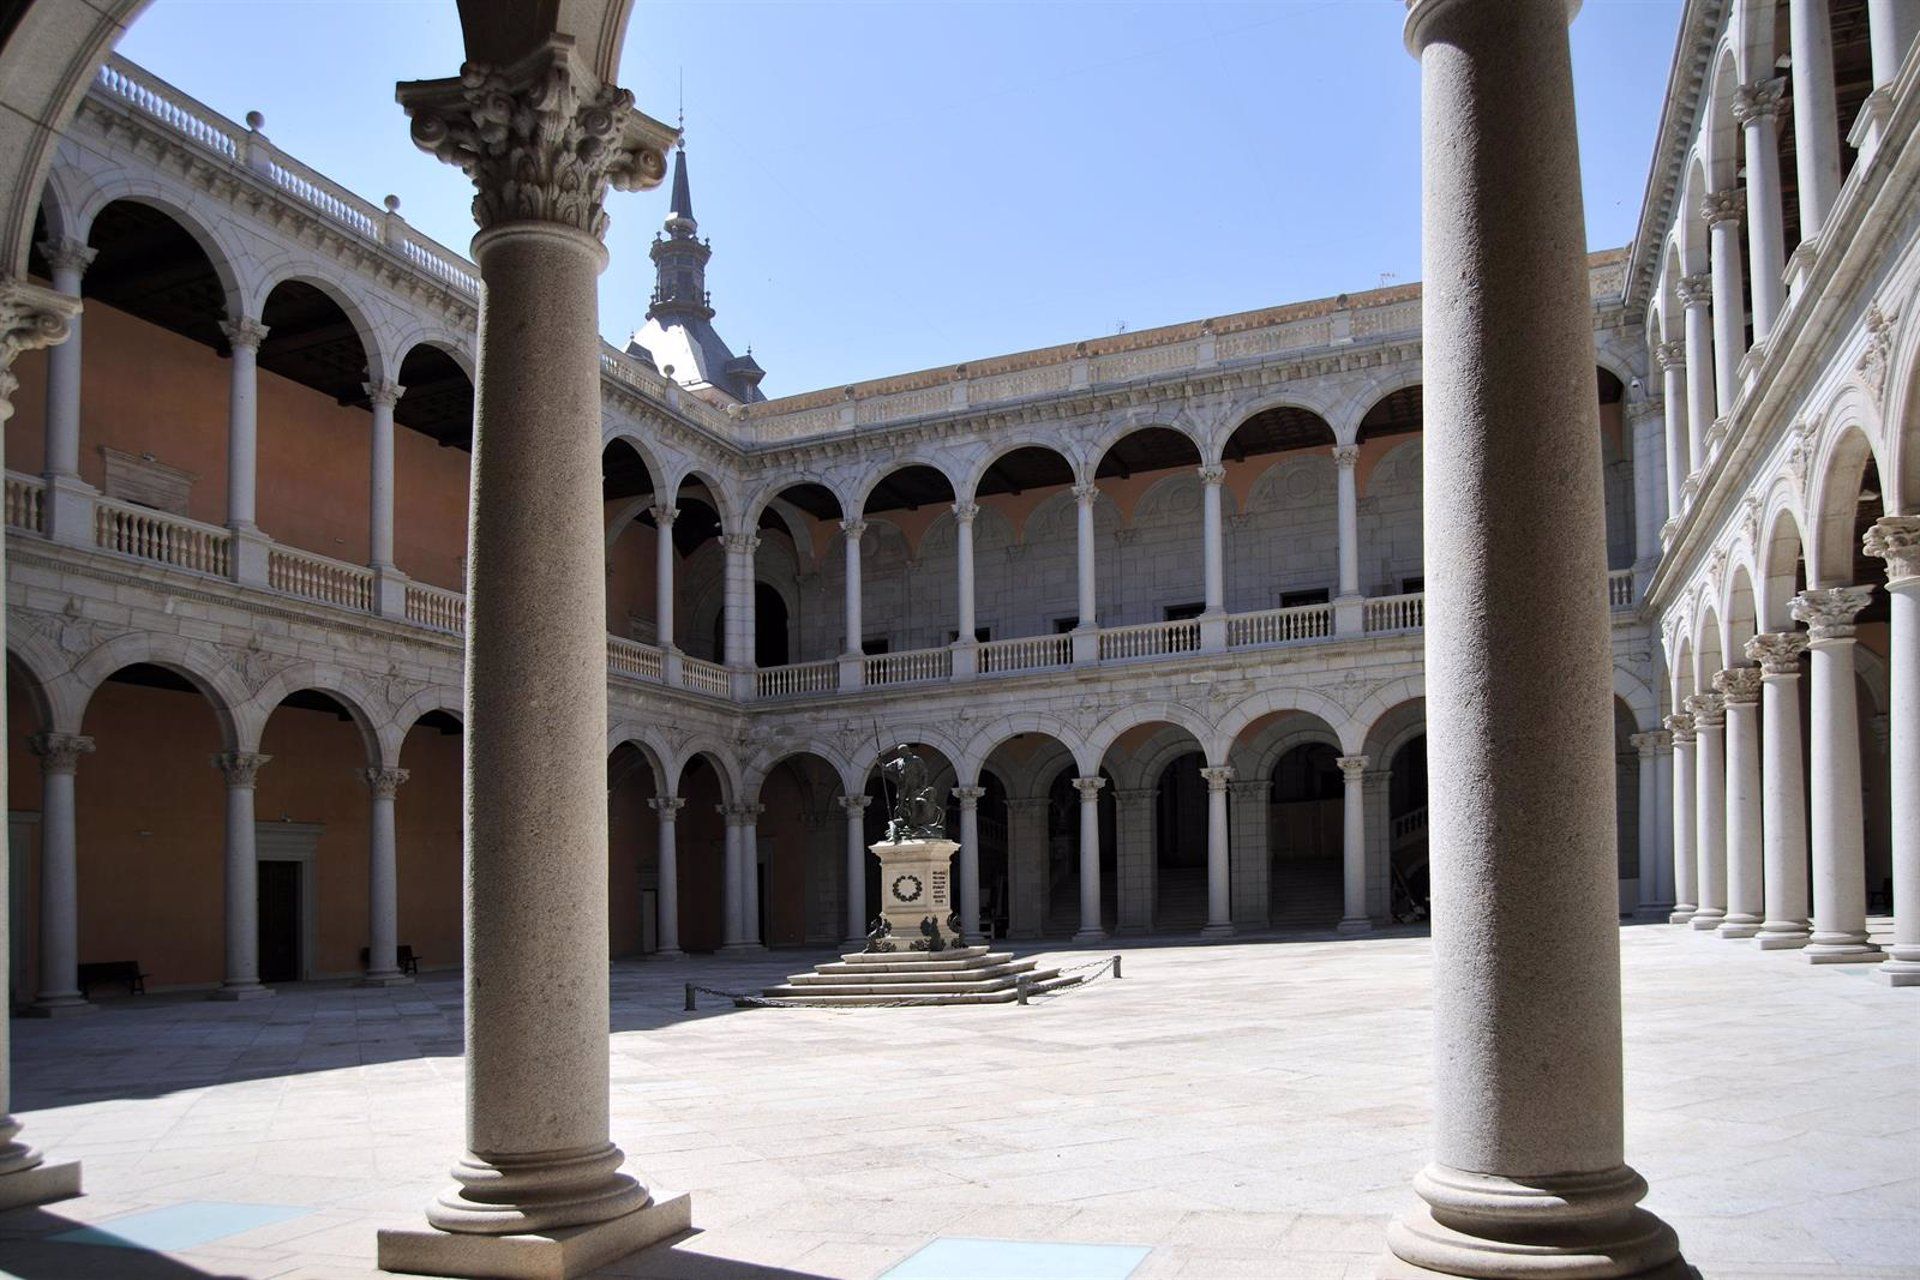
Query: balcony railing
x=437, y=608
x=1030, y=653
x=910, y=667
x=705, y=677
x=24, y=497
x=1149, y=640
x=162, y=538
x=1395, y=613
x=316, y=577
x=631, y=658
x=797, y=678
x=1620, y=589
x=1280, y=626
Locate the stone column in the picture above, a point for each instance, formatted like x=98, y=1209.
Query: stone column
x=969, y=798
x=1686, y=885
x=1645, y=422
x=1091, y=927
x=1839, y=828
x=1027, y=887
x=1896, y=539
x=1346, y=458
x=382, y=396
x=1673, y=395
x=241, y=769
x=855, y=627
x=1722, y=210
x=30, y=318
x=668, y=900
x=1219, y=877
x=1214, y=566
x=248, y=556
x=542, y=140
x=963, y=515
x=68, y=512
x=1756, y=107
x=856, y=807
x=1650, y=745
x=1890, y=25
x=1529, y=1175
x=1783, y=791
x=1353, y=845
x=59, y=992
x=1816, y=114
x=663, y=589
x=1740, y=687
x=1696, y=295
x=1086, y=647
x=1137, y=881
x=1250, y=852
x=383, y=906
x=1663, y=875
x=1709, y=809
x=738, y=630
x=750, y=876
x=732, y=892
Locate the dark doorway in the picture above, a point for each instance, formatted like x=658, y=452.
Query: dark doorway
x=769, y=627
x=279, y=903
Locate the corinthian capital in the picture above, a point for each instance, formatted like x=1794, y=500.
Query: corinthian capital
x=1739, y=686
x=1671, y=355
x=244, y=333
x=383, y=394
x=240, y=768
x=541, y=138
x=1709, y=710
x=1695, y=291
x=1723, y=206
x=68, y=254
x=1086, y=492
x=1755, y=101
x=385, y=783
x=1346, y=456
x=1777, y=652
x=30, y=318
x=1353, y=768
x=59, y=752
x=1088, y=787
x=1829, y=614
x=667, y=805
x=1652, y=743
x=1213, y=474
x=1895, y=539
x=1217, y=776
x=741, y=544
x=1680, y=725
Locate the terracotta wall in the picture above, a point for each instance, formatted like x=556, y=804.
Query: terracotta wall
x=633, y=840
x=427, y=841
x=630, y=575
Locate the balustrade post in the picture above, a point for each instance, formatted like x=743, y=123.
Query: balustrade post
x=250, y=547
x=68, y=502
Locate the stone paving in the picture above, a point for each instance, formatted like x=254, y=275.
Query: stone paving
x=1252, y=1109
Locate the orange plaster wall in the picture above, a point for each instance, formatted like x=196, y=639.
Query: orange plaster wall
x=633, y=838
x=1372, y=452
x=316, y=776
x=630, y=575
x=700, y=860
x=786, y=883
x=427, y=843
x=430, y=486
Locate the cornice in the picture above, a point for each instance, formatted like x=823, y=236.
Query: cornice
x=1700, y=25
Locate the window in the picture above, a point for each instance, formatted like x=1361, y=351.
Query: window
x=1295, y=599
x=1181, y=612
x=1063, y=625
x=874, y=647
x=1411, y=586
x=981, y=634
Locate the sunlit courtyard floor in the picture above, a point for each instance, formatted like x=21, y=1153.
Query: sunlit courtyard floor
x=1251, y=1109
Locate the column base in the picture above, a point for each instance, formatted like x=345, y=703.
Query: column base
x=1682, y=912
x=738, y=948
x=1090, y=935
x=1584, y=1226
x=251, y=991
x=72, y=1006
x=1827, y=951
x=1781, y=937
x=1902, y=968
x=394, y=979
x=1740, y=925
x=1707, y=918
x=1354, y=924
x=44, y=1182
x=669, y=953
x=544, y=1255
x=1213, y=932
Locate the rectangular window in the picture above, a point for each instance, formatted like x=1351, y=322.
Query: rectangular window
x=874, y=647
x=1411, y=586
x=982, y=634
x=1296, y=599
x=1181, y=612
x=1063, y=625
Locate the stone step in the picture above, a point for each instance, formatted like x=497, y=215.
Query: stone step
x=829, y=975
x=914, y=963
x=895, y=957
x=846, y=998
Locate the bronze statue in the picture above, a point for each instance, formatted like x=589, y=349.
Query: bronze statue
x=919, y=811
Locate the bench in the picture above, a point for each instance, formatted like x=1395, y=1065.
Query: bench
x=110, y=971
x=404, y=958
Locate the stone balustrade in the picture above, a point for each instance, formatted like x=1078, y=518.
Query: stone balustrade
x=26, y=496
x=322, y=578
x=1280, y=626
x=165, y=539
x=1395, y=613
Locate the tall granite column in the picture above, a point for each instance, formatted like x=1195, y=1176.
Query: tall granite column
x=1686, y=881
x=668, y=901
x=1086, y=645
x=1896, y=539
x=59, y=992
x=1740, y=687
x=542, y=138
x=1709, y=809
x=969, y=798
x=1213, y=480
x=31, y=317
x=1839, y=830
x=69, y=506
x=1219, y=876
x=1783, y=802
x=1529, y=1176
x=750, y=876
x=1092, y=929
x=1353, y=845
x=856, y=807
x=663, y=558
x=381, y=398
x=854, y=625
x=1756, y=106
x=966, y=659
x=383, y=898
x=241, y=769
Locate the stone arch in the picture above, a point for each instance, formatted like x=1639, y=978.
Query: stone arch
x=1302, y=398
x=1739, y=614
x=717, y=495
x=1254, y=755
x=1709, y=658
x=1720, y=134
x=1370, y=392
x=1831, y=507
x=382, y=364
x=39, y=689
x=457, y=346
x=1046, y=442
x=716, y=758
x=195, y=661
x=647, y=744
x=1640, y=699
x=1267, y=702
x=225, y=256
x=1124, y=426
x=1776, y=560
x=647, y=450
x=1101, y=737
x=445, y=699
x=879, y=472
x=987, y=738
x=1901, y=478
x=56, y=700
x=345, y=687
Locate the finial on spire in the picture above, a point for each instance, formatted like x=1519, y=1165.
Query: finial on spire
x=683, y=109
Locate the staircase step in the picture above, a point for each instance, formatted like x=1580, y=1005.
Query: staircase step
x=1006, y=982
x=887, y=978
x=895, y=957
x=917, y=962
x=852, y=996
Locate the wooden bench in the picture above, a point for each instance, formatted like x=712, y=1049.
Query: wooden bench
x=109, y=971
x=404, y=957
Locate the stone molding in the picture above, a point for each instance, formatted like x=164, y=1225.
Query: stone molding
x=59, y=752
x=542, y=138
x=1739, y=686
x=240, y=768
x=1829, y=613
x=1895, y=539
x=1777, y=652
x=384, y=784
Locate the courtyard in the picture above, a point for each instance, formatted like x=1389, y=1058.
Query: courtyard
x=1248, y=1109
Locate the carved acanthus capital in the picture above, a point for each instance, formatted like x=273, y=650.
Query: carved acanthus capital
x=1213, y=474
x=855, y=804
x=1353, y=768
x=1723, y=206
x=1217, y=776
x=853, y=528
x=1829, y=614
x=964, y=512
x=240, y=768
x=68, y=254
x=1758, y=100
x=542, y=138
x=1086, y=492
x=1739, y=686
x=1346, y=456
x=1652, y=743
x=1680, y=725
x=741, y=544
x=1671, y=355
x=667, y=806
x=1895, y=539
x=385, y=783
x=969, y=797
x=1777, y=652
x=1088, y=787
x=243, y=333
x=1694, y=291
x=59, y=752
x=30, y=318
x=384, y=394
x=663, y=517
x=1709, y=711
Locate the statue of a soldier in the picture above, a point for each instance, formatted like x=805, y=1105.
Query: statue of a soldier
x=919, y=811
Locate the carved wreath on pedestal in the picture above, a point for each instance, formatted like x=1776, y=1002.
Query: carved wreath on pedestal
x=906, y=894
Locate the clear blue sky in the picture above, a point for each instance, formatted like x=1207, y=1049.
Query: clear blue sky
x=890, y=186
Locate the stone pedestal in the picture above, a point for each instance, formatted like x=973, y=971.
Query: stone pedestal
x=917, y=896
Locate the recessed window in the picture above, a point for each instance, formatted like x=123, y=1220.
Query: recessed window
x=1298, y=599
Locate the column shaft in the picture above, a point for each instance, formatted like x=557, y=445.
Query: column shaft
x=59, y=986
x=1816, y=114
x=1686, y=883
x=667, y=934
x=854, y=625
x=1346, y=458
x=68, y=260
x=1729, y=297
x=738, y=628
x=1783, y=791
x=381, y=396
x=242, y=982
x=1839, y=843
x=1891, y=24
x=244, y=336
x=1696, y=293
x=964, y=512
x=1353, y=846
x=1673, y=391
x=383, y=902
x=1214, y=538
x=663, y=518
x=1741, y=688
x=1091, y=927
x=732, y=890
x=1896, y=539
x=1086, y=495
x=1529, y=1155
x=1710, y=809
x=750, y=876
x=1219, y=875
x=856, y=807
x=1649, y=746
x=970, y=798
x=1755, y=106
